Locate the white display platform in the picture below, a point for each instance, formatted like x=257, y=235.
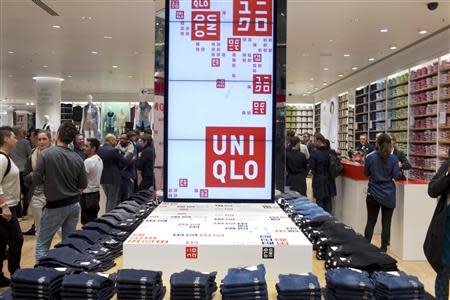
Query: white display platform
x=411, y=219
x=214, y=237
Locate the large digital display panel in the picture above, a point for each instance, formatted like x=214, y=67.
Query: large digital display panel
x=219, y=110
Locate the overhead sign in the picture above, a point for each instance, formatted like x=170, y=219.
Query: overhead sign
x=220, y=102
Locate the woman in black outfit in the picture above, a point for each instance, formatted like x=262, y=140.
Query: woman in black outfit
x=324, y=186
x=296, y=167
x=146, y=162
x=403, y=161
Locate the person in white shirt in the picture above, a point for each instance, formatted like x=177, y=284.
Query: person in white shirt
x=91, y=194
x=10, y=232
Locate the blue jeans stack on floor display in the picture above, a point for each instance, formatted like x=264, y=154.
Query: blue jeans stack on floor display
x=139, y=284
x=190, y=285
x=87, y=286
x=245, y=283
x=298, y=287
x=39, y=283
x=348, y=284
x=397, y=285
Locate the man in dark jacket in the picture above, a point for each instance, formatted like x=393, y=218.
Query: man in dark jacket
x=113, y=162
x=146, y=162
x=437, y=242
x=128, y=172
x=363, y=146
x=296, y=167
x=324, y=186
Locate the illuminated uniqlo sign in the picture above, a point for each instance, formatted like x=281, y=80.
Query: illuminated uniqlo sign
x=174, y=4
x=234, y=44
x=262, y=84
x=205, y=26
x=259, y=107
x=191, y=252
x=235, y=156
x=201, y=4
x=252, y=17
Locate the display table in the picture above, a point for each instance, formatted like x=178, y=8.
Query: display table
x=411, y=219
x=215, y=237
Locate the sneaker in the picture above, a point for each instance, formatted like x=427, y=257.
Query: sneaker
x=31, y=231
x=4, y=281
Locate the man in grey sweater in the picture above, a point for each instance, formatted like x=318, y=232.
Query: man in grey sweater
x=62, y=173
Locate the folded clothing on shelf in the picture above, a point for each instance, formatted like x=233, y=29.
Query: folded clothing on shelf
x=87, y=286
x=348, y=284
x=397, y=285
x=190, y=284
x=38, y=283
x=298, y=287
x=245, y=283
x=139, y=284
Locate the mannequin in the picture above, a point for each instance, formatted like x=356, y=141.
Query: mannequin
x=143, y=115
x=90, y=124
x=122, y=121
x=110, y=121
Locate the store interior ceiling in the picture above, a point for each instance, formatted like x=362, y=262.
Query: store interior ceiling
x=106, y=47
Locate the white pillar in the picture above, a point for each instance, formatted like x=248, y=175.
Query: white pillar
x=48, y=100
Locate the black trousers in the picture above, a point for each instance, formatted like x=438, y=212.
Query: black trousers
x=11, y=236
x=89, y=206
x=373, y=208
x=25, y=203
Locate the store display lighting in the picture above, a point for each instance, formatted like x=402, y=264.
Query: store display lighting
x=130, y=76
x=393, y=47
x=371, y=59
x=423, y=31
x=10, y=76
x=47, y=78
x=107, y=37
x=11, y=52
x=346, y=55
x=69, y=76
x=325, y=83
x=355, y=68
x=311, y=79
x=325, y=69
x=45, y=66
x=94, y=52
x=384, y=30
x=115, y=67
x=341, y=75
x=56, y=26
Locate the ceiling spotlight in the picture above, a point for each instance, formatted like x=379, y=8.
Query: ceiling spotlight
x=107, y=37
x=304, y=95
x=423, y=31
x=86, y=18
x=10, y=52
x=371, y=59
x=325, y=83
x=28, y=103
x=45, y=66
x=325, y=69
x=346, y=55
x=129, y=76
x=56, y=26
x=311, y=79
x=10, y=76
x=331, y=41
x=355, y=68
x=384, y=30
x=136, y=52
x=341, y=75
x=115, y=67
x=393, y=47
x=94, y=52
x=69, y=76
x=4, y=100
x=32, y=103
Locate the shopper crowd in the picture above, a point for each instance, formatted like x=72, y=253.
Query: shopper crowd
x=60, y=179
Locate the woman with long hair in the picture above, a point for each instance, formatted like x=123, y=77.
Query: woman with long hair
x=382, y=168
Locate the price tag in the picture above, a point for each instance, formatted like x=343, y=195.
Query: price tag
x=442, y=117
x=252, y=268
x=394, y=273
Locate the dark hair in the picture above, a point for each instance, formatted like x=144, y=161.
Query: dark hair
x=319, y=137
x=5, y=131
x=146, y=138
x=94, y=143
x=290, y=133
x=384, y=146
x=67, y=132
x=295, y=140
x=327, y=142
x=39, y=131
x=148, y=131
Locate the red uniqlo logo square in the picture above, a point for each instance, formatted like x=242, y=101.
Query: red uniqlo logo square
x=259, y=107
x=235, y=156
x=215, y=62
x=262, y=84
x=257, y=57
x=203, y=193
x=174, y=4
x=234, y=44
x=220, y=83
x=191, y=252
x=196, y=4
x=179, y=15
x=205, y=25
x=252, y=17
x=183, y=182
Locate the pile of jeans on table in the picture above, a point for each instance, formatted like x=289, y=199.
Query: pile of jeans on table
x=139, y=284
x=188, y=285
x=348, y=284
x=94, y=248
x=245, y=283
x=38, y=283
x=298, y=287
x=334, y=241
x=397, y=285
x=87, y=286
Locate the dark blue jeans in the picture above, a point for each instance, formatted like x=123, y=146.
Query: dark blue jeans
x=441, y=283
x=325, y=203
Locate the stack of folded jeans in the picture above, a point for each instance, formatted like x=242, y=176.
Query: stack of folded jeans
x=87, y=286
x=348, y=284
x=105, y=229
x=245, y=283
x=38, y=283
x=188, y=285
x=367, y=261
x=397, y=285
x=95, y=237
x=99, y=252
x=6, y=295
x=298, y=287
x=139, y=284
x=65, y=257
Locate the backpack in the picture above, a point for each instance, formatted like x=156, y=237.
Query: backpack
x=335, y=168
x=8, y=167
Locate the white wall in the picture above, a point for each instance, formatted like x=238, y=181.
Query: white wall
x=427, y=50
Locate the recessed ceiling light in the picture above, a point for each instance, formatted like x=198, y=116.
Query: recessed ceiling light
x=341, y=75
x=325, y=83
x=48, y=78
x=346, y=55
x=4, y=100
x=371, y=59
x=32, y=103
x=331, y=41
x=393, y=47
x=423, y=31
x=86, y=18
x=107, y=37
x=28, y=103
x=56, y=26
x=311, y=79
x=384, y=30
x=325, y=69
x=136, y=52
x=94, y=52
x=69, y=76
x=304, y=95
x=10, y=76
x=115, y=67
x=355, y=68
x=130, y=76
x=45, y=66
x=11, y=52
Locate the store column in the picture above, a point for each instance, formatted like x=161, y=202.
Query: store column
x=48, y=101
